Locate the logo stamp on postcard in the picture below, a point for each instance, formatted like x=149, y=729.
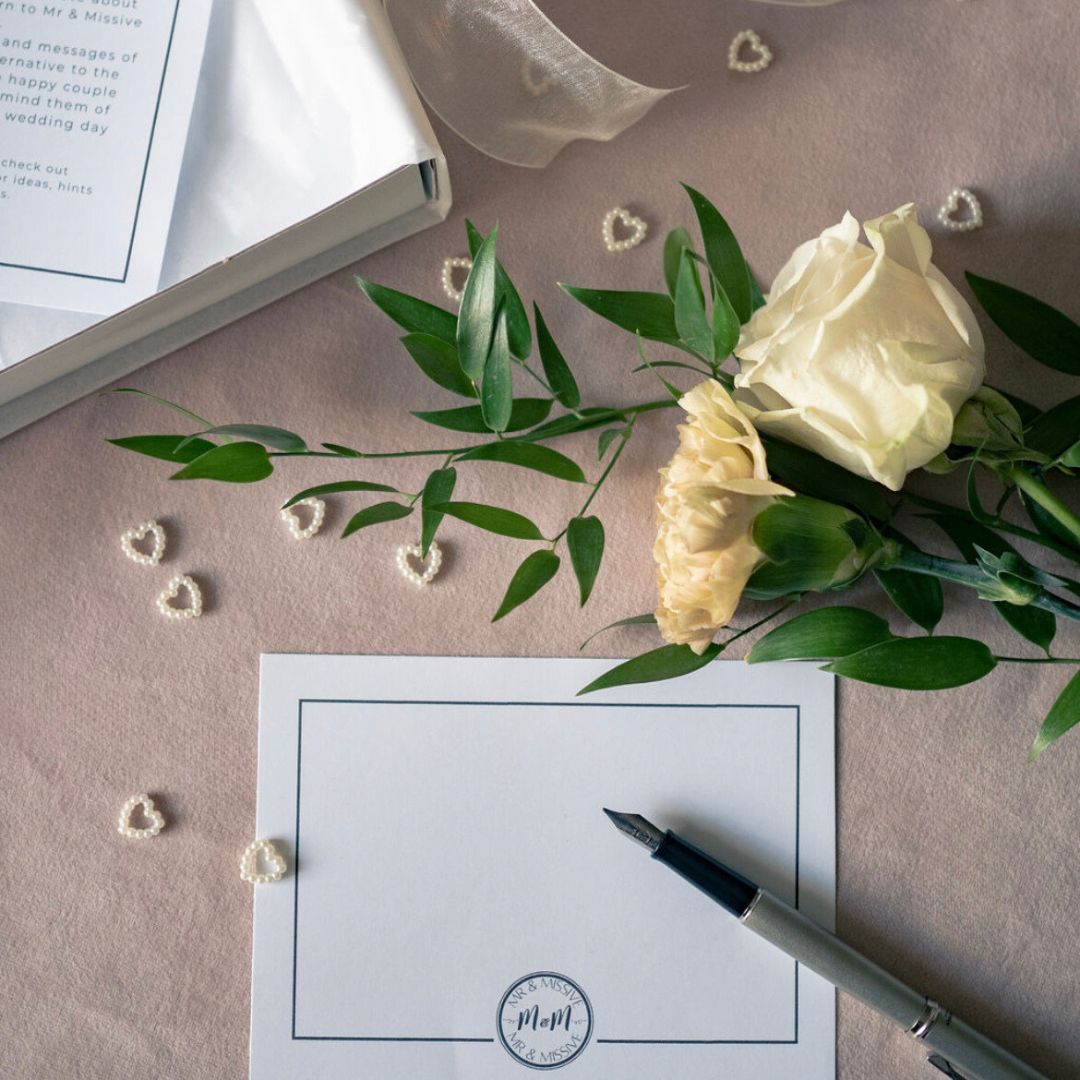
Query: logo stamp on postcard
x=544, y=1020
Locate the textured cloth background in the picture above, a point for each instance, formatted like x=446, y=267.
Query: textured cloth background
x=958, y=862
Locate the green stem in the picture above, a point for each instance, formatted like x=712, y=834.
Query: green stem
x=1037, y=660
x=1036, y=490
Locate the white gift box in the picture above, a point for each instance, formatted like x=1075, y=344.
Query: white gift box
x=308, y=149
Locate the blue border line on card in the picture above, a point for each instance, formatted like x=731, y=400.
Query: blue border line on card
x=547, y=704
x=142, y=182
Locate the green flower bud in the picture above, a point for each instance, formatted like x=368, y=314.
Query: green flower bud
x=989, y=421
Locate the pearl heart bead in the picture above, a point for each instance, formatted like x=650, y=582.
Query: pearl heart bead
x=448, y=268
x=974, y=219
x=434, y=561
x=139, y=532
x=150, y=812
x=757, y=47
x=318, y=512
x=172, y=591
x=249, y=863
x=637, y=228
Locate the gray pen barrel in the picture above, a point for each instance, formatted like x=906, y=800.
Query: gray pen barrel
x=969, y=1052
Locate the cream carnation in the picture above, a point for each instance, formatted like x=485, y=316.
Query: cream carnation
x=710, y=493
x=862, y=354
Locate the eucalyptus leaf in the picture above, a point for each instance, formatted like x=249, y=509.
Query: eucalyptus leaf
x=529, y=578
x=517, y=322
x=725, y=324
x=376, y=514
x=438, y=488
x=633, y=620
x=676, y=242
x=175, y=448
x=493, y=519
x=524, y=413
x=556, y=370
x=496, y=390
x=233, y=463
x=923, y=663
x=724, y=256
x=666, y=662
x=410, y=312
x=690, y=318
x=1063, y=715
x=540, y=459
x=821, y=634
x=275, y=437
x=1056, y=429
x=163, y=401
x=476, y=317
x=1043, y=332
x=337, y=486
x=652, y=315
x=585, y=541
x=438, y=360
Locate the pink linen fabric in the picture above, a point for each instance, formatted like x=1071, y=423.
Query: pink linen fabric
x=958, y=864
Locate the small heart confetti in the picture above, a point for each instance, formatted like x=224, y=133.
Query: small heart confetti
x=946, y=215
x=637, y=227
x=150, y=812
x=427, y=572
x=172, y=591
x=249, y=863
x=448, y=268
x=139, y=533
x=318, y=512
x=756, y=46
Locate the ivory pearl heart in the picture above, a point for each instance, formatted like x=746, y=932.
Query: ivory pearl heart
x=140, y=532
x=946, y=214
x=249, y=863
x=172, y=591
x=424, y=576
x=318, y=512
x=150, y=812
x=448, y=268
x=637, y=227
x=757, y=47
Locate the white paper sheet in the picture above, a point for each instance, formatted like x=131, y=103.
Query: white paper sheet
x=442, y=822
x=95, y=100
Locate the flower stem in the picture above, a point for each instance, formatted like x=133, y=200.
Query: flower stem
x=1036, y=490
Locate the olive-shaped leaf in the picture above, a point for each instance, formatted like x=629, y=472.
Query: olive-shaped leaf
x=496, y=389
x=667, y=662
x=165, y=447
x=652, y=315
x=529, y=578
x=556, y=370
x=585, y=541
x=492, y=518
x=524, y=413
x=1063, y=715
x=413, y=314
x=918, y=596
x=821, y=634
x=633, y=620
x=337, y=486
x=923, y=663
x=476, y=318
x=540, y=459
x=275, y=437
x=437, y=489
x=517, y=322
x=690, y=318
x=723, y=254
x=233, y=463
x=376, y=514
x=676, y=242
x=438, y=360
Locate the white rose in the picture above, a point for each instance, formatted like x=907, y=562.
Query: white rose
x=709, y=495
x=862, y=354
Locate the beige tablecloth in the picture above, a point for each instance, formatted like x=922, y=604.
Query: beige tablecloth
x=958, y=862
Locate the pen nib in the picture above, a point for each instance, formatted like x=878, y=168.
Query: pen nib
x=637, y=828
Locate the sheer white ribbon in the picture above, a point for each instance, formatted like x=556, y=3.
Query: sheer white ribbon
x=510, y=82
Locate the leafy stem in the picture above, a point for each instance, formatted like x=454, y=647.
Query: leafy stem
x=1036, y=490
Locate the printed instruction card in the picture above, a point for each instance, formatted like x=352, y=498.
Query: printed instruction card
x=458, y=907
x=95, y=101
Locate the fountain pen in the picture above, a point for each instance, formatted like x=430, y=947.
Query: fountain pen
x=957, y=1050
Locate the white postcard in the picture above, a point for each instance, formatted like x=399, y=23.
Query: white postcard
x=450, y=868
x=95, y=101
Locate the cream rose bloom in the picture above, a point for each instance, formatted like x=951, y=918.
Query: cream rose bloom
x=862, y=354
x=709, y=495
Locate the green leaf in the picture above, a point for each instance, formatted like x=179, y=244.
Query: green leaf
x=676, y=242
x=556, y=370
x=1056, y=430
x=540, y=459
x=1043, y=332
x=492, y=518
x=376, y=514
x=667, y=662
x=568, y=425
x=437, y=489
x=918, y=596
x=603, y=444
x=530, y=577
x=585, y=539
x=165, y=447
x=723, y=254
x=633, y=620
x=343, y=451
x=924, y=663
x=652, y=315
x=437, y=359
x=690, y=318
x=806, y=472
x=162, y=401
x=233, y=463
x=1047, y=524
x=338, y=486
x=1063, y=714
x=410, y=312
x=1035, y=624
x=476, y=319
x=524, y=413
x=506, y=294
x=725, y=325
x=496, y=390
x=757, y=297
x=825, y=633
x=275, y=437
